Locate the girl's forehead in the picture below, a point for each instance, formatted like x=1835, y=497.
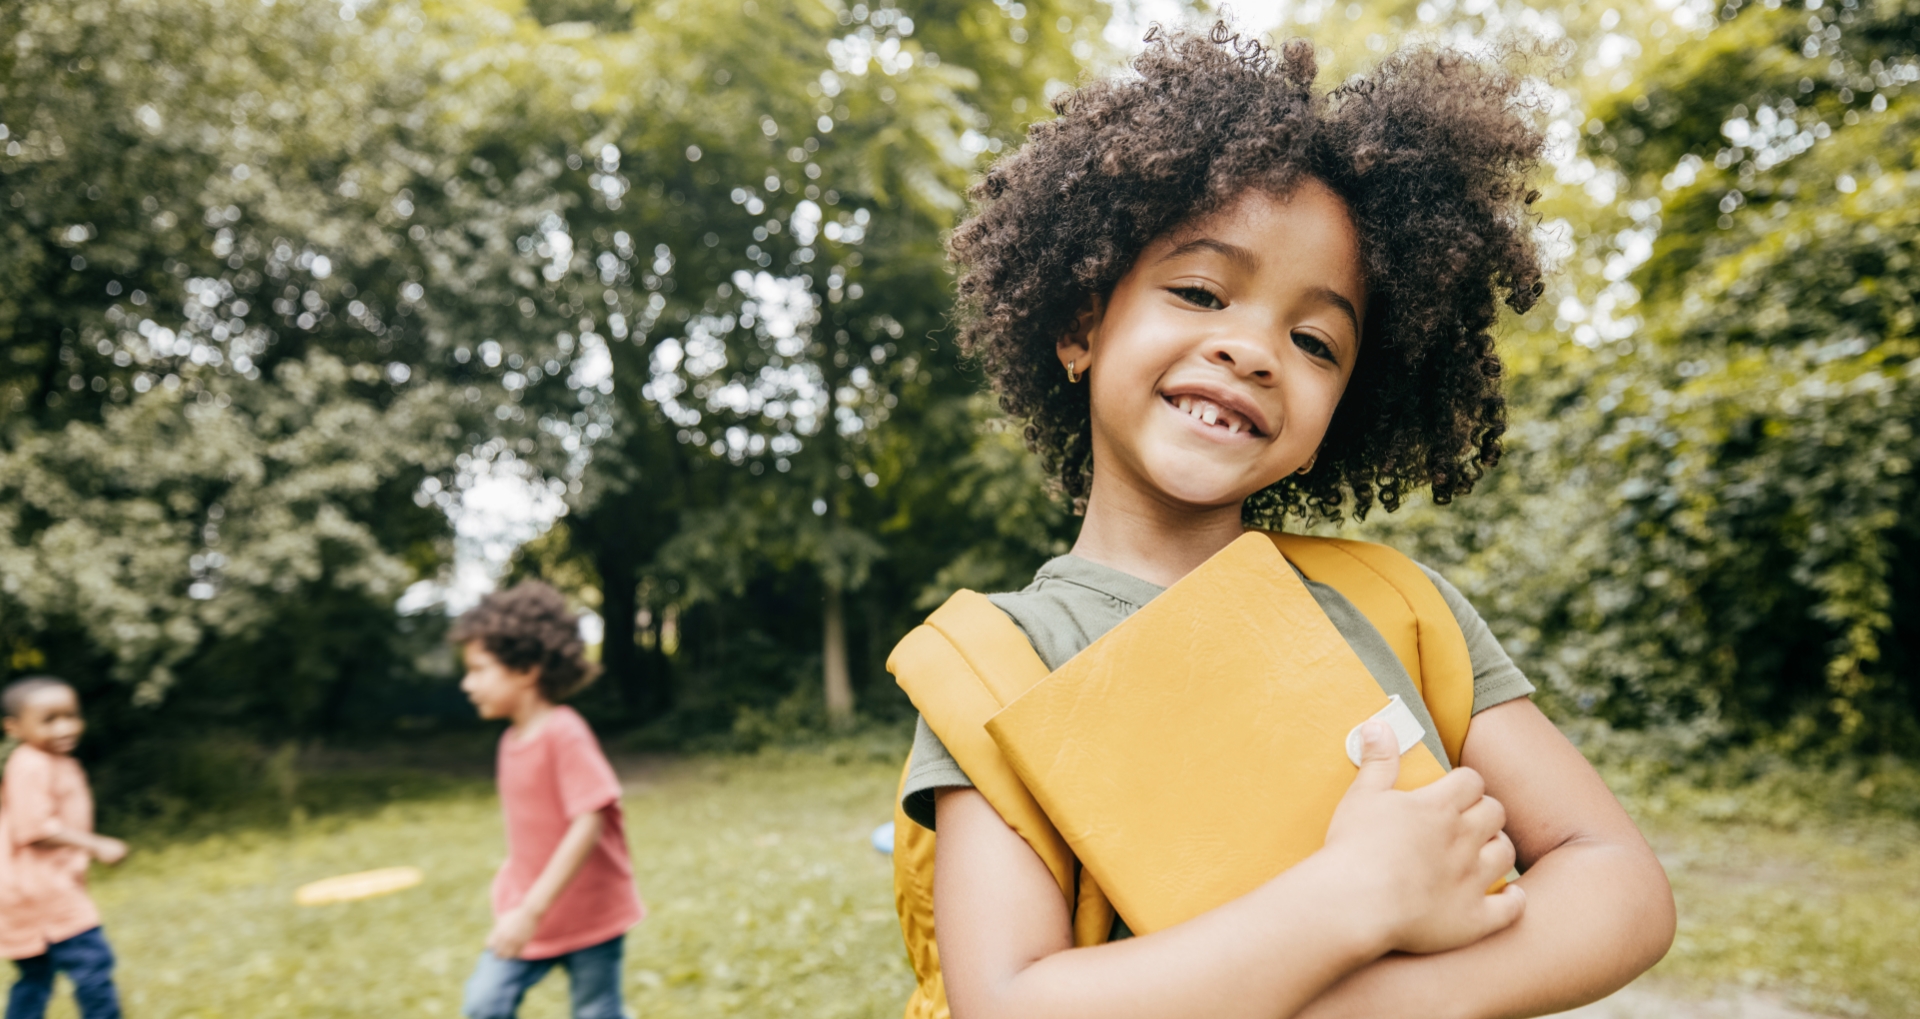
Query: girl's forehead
x=1308, y=200
x=1308, y=227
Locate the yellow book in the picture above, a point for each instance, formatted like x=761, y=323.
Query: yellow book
x=1199, y=748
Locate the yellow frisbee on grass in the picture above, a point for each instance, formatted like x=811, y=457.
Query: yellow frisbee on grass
x=364, y=885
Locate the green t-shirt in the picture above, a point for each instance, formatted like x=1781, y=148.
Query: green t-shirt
x=1072, y=601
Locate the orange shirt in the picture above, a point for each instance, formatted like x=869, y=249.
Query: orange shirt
x=43, y=889
x=546, y=780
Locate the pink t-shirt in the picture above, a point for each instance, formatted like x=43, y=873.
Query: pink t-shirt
x=547, y=780
x=43, y=890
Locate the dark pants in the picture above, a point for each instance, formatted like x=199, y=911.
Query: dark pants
x=87, y=960
x=497, y=985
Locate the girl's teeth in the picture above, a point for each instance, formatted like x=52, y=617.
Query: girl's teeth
x=1210, y=413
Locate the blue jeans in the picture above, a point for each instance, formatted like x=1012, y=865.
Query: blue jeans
x=593, y=975
x=86, y=959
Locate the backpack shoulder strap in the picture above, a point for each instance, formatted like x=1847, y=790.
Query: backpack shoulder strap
x=959, y=668
x=1399, y=599
x=913, y=901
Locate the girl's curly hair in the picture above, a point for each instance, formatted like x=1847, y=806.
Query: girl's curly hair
x=1430, y=152
x=528, y=625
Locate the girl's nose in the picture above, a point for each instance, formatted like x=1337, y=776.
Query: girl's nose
x=1243, y=357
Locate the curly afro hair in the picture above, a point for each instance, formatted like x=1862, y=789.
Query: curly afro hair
x=528, y=626
x=1430, y=152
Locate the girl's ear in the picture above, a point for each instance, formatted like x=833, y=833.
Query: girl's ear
x=1077, y=343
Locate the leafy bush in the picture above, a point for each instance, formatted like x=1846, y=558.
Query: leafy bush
x=1682, y=771
x=1709, y=515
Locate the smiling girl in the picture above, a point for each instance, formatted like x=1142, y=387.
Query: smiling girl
x=1218, y=298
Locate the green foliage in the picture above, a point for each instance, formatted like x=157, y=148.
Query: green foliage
x=194, y=785
x=1706, y=516
x=277, y=276
x=215, y=428
x=784, y=409
x=1681, y=772
x=1758, y=445
x=268, y=501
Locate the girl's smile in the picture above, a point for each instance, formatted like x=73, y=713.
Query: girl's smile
x=1218, y=411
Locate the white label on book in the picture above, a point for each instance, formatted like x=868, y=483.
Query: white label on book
x=1407, y=729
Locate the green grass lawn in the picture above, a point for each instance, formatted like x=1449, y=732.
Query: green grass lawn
x=1825, y=915
x=768, y=901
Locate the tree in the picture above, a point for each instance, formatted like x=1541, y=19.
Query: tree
x=1706, y=517
x=215, y=539
x=794, y=290
x=684, y=262
x=214, y=437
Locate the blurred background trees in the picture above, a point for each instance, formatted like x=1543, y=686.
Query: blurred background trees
x=1707, y=520
x=280, y=281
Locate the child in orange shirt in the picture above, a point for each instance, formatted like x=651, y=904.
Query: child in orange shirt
x=48, y=923
x=565, y=895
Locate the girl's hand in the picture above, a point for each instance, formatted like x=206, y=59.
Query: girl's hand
x=511, y=932
x=1422, y=861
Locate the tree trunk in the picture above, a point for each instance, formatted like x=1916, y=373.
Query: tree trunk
x=659, y=677
x=619, y=652
x=834, y=656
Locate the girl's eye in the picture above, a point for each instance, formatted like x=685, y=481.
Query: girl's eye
x=1314, y=346
x=1199, y=297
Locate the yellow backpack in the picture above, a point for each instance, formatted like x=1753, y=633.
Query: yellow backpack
x=969, y=659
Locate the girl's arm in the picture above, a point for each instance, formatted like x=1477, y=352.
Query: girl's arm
x=515, y=928
x=1400, y=870
x=1599, y=910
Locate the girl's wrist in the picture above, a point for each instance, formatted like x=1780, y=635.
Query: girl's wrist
x=1350, y=919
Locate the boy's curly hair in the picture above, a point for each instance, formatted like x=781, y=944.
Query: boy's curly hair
x=528, y=625
x=1430, y=153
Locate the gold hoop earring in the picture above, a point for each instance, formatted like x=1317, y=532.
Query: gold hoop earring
x=1073, y=376
x=1309, y=464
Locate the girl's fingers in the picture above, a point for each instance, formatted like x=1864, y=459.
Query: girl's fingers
x=1379, y=758
x=1496, y=860
x=1500, y=911
x=1460, y=788
x=1485, y=818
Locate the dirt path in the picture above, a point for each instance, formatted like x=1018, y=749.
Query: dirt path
x=1648, y=1000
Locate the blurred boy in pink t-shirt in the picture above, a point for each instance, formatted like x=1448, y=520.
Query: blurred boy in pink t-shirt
x=48, y=923
x=565, y=895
